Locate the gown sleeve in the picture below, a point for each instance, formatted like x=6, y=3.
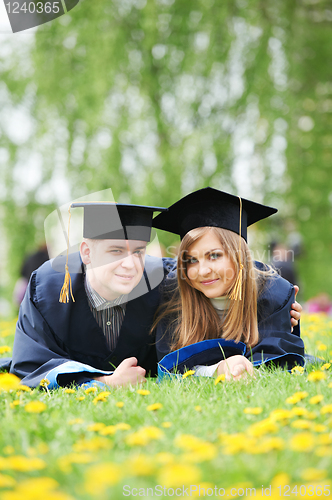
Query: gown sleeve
x=38, y=354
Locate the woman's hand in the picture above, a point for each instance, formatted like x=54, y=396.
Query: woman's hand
x=126, y=373
x=296, y=310
x=236, y=367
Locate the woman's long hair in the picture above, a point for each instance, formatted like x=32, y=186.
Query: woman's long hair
x=194, y=317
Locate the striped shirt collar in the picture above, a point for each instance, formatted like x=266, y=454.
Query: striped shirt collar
x=98, y=302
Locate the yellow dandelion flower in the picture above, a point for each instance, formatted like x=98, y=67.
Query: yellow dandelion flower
x=119, y=404
x=101, y=476
x=312, y=474
x=137, y=439
x=220, y=378
x=265, y=426
x=323, y=451
x=316, y=376
x=140, y=465
x=24, y=388
x=280, y=414
x=330, y=385
x=296, y=397
x=23, y=464
x=166, y=425
x=316, y=399
x=198, y=408
x=108, y=430
x=268, y=444
x=35, y=407
x=324, y=439
x=253, y=411
x=188, y=373
x=69, y=391
x=281, y=479
x=325, y=366
x=122, y=426
x=299, y=412
x=94, y=444
x=98, y=398
x=154, y=407
x=301, y=424
x=5, y=348
x=297, y=370
x=319, y=428
x=65, y=462
x=9, y=381
x=6, y=481
x=322, y=347
x=96, y=427
x=80, y=398
x=173, y=475
x=75, y=421
x=9, y=450
x=143, y=392
x=326, y=409
x=90, y=390
x=303, y=441
x=165, y=457
x=152, y=432
x=44, y=382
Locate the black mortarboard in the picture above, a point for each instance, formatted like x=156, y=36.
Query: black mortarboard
x=109, y=220
x=105, y=220
x=211, y=207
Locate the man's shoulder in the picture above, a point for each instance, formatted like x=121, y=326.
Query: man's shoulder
x=51, y=273
x=275, y=292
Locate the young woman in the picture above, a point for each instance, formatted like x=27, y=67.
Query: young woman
x=224, y=313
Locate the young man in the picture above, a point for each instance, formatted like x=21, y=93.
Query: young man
x=103, y=335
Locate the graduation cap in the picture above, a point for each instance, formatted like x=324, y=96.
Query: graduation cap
x=109, y=220
x=211, y=207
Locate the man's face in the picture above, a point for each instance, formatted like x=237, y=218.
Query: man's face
x=114, y=267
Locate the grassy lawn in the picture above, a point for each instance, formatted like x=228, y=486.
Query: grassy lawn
x=180, y=438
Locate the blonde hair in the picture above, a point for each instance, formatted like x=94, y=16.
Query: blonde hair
x=195, y=317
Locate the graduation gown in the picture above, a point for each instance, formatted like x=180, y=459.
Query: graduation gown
x=277, y=344
x=64, y=343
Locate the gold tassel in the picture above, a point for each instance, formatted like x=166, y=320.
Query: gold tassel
x=66, y=287
x=237, y=290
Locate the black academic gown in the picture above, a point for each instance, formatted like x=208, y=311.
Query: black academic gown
x=64, y=343
x=277, y=343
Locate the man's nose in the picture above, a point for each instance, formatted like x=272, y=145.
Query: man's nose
x=128, y=262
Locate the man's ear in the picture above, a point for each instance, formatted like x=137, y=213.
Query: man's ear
x=85, y=251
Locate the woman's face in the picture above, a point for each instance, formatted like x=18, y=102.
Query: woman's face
x=209, y=269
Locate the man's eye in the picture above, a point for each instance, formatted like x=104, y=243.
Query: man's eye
x=115, y=252
x=139, y=252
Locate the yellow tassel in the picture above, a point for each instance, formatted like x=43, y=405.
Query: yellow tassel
x=237, y=290
x=64, y=294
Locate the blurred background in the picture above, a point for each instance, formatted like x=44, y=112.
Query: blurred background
x=156, y=98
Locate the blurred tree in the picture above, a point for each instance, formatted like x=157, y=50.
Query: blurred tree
x=156, y=98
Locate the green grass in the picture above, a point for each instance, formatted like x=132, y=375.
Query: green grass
x=223, y=450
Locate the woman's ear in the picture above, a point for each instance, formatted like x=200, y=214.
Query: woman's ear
x=85, y=251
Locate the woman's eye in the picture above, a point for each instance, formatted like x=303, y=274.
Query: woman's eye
x=214, y=256
x=191, y=260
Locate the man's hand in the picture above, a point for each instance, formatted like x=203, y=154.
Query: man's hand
x=236, y=367
x=295, y=311
x=126, y=373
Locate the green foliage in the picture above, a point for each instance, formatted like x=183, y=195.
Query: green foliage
x=157, y=98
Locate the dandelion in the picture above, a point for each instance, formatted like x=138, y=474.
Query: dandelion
x=108, y=430
x=265, y=426
x=24, y=388
x=4, y=349
x=173, y=475
x=316, y=399
x=65, y=462
x=296, y=397
x=198, y=408
x=140, y=465
x=325, y=366
x=312, y=474
x=319, y=428
x=119, y=404
x=301, y=424
x=6, y=481
x=253, y=411
x=15, y=403
x=188, y=373
x=326, y=409
x=280, y=414
x=9, y=381
x=316, y=376
x=165, y=457
x=166, y=425
x=75, y=421
x=220, y=378
x=90, y=390
x=303, y=441
x=143, y=392
x=35, y=407
x=80, y=398
x=101, y=476
x=321, y=347
x=44, y=382
x=330, y=385
x=69, y=391
x=96, y=427
x=297, y=370
x=154, y=407
x=299, y=412
x=94, y=444
x=22, y=464
x=122, y=426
